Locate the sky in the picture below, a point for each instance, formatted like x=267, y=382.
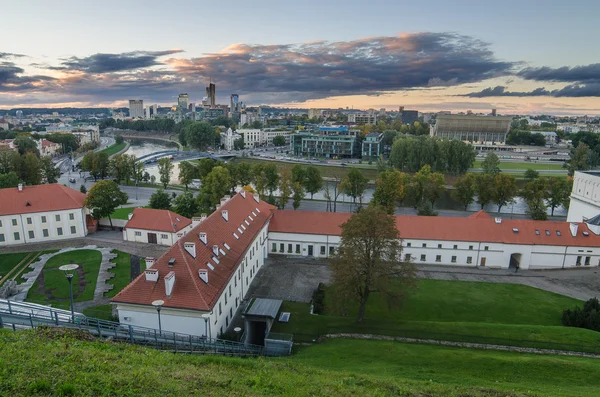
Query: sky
x=521, y=57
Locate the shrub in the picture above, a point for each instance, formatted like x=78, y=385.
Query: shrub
x=318, y=299
x=588, y=318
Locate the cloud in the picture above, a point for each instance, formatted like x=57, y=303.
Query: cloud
x=10, y=55
x=13, y=80
x=108, y=63
x=569, y=91
x=580, y=74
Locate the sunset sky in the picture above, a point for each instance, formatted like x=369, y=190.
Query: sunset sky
x=521, y=57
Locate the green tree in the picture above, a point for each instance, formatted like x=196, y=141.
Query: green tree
x=299, y=174
x=531, y=174
x=464, y=190
x=559, y=192
x=118, y=139
x=165, y=170
x=505, y=189
x=535, y=193
x=103, y=198
x=426, y=185
x=239, y=144
x=185, y=204
x=390, y=188
x=138, y=171
x=369, y=261
x=354, y=184
x=9, y=160
x=491, y=163
x=298, y=194
x=272, y=178
x=216, y=185
x=259, y=178
x=285, y=187
x=484, y=187
x=580, y=159
x=30, y=169
x=205, y=166
x=313, y=180
x=160, y=200
x=50, y=173
x=279, y=140
x=26, y=145
x=434, y=188
x=10, y=179
x=187, y=173
x=200, y=135
x=83, y=189
x=244, y=173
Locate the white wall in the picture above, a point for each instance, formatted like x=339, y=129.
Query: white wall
x=35, y=223
x=174, y=320
x=129, y=234
x=585, y=197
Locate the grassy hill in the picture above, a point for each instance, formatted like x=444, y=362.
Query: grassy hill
x=58, y=362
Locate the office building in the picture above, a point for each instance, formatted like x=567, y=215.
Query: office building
x=408, y=116
x=211, y=95
x=234, y=106
x=182, y=101
x=369, y=117
x=136, y=108
x=372, y=146
x=487, y=130
x=327, y=142
x=314, y=113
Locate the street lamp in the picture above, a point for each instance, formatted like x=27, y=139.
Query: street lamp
x=69, y=271
x=158, y=305
x=206, y=317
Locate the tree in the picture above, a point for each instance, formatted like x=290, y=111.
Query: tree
x=187, y=173
x=299, y=173
x=118, y=139
x=83, y=189
x=332, y=191
x=244, y=173
x=9, y=159
x=285, y=187
x=30, y=169
x=484, y=187
x=138, y=173
x=531, y=174
x=558, y=193
x=26, y=145
x=216, y=185
x=425, y=185
x=10, y=179
x=505, y=189
x=185, y=204
x=491, y=163
x=535, y=193
x=279, y=140
x=238, y=144
x=580, y=159
x=354, y=184
x=205, y=166
x=50, y=173
x=272, y=178
x=434, y=187
x=298, y=194
x=313, y=181
x=160, y=200
x=390, y=188
x=152, y=179
x=259, y=178
x=103, y=198
x=464, y=190
x=200, y=135
x=165, y=170
x=369, y=261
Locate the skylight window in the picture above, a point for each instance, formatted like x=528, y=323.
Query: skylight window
x=210, y=266
x=221, y=251
x=250, y=217
x=227, y=246
x=247, y=223
x=257, y=210
x=240, y=231
x=236, y=236
x=586, y=234
x=243, y=226
x=215, y=259
x=515, y=230
x=253, y=213
x=558, y=232
x=537, y=232
x=547, y=232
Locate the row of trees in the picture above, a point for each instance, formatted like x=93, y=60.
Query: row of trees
x=525, y=137
x=197, y=134
x=158, y=124
x=28, y=169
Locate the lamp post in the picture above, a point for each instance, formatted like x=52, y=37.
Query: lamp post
x=206, y=317
x=158, y=305
x=69, y=271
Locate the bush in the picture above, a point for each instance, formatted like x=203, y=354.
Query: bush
x=588, y=318
x=318, y=299
x=425, y=209
x=118, y=139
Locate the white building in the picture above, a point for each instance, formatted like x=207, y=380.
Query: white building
x=550, y=136
x=204, y=277
x=164, y=227
x=4, y=124
x=47, y=148
x=136, y=108
x=252, y=137
x=585, y=196
x=41, y=213
x=270, y=134
x=369, y=117
x=228, y=138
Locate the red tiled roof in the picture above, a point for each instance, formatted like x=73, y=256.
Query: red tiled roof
x=190, y=292
x=39, y=198
x=477, y=227
x=160, y=220
x=47, y=143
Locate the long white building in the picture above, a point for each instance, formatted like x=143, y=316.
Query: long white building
x=147, y=225
x=41, y=213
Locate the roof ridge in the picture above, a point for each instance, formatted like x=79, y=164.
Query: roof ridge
x=194, y=279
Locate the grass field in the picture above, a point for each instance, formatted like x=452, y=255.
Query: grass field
x=9, y=261
x=55, y=281
x=122, y=273
x=509, y=165
x=122, y=213
x=115, y=148
x=103, y=312
x=457, y=311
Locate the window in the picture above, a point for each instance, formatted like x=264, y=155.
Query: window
x=537, y=232
x=331, y=250
x=455, y=246
x=17, y=236
x=487, y=247
x=438, y=258
x=59, y=231
x=14, y=222
x=424, y=245
x=236, y=302
x=0, y=223
x=454, y=259
x=231, y=313
x=274, y=247
x=29, y=221
x=138, y=233
x=408, y=244
x=164, y=236
x=220, y=311
x=587, y=260
x=469, y=259
x=439, y=245
x=226, y=322
x=73, y=230
x=578, y=263
x=57, y=217
x=45, y=232
x=290, y=248
x=297, y=248
x=281, y=246
x=2, y=238
x=471, y=247
x=322, y=250
x=407, y=257
x=225, y=295
x=43, y=219
x=558, y=232
x=71, y=216
x=423, y=258
x=230, y=290
x=235, y=279
x=547, y=232
x=31, y=235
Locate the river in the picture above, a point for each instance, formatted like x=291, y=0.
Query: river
x=140, y=147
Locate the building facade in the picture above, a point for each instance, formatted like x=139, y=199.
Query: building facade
x=136, y=108
x=372, y=146
x=163, y=227
x=488, y=130
x=228, y=139
x=328, y=142
x=182, y=101
x=409, y=116
x=585, y=196
x=41, y=213
x=369, y=117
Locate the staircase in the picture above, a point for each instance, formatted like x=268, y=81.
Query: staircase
x=21, y=315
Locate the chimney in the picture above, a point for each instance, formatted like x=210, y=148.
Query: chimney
x=223, y=201
x=243, y=193
x=203, y=217
x=203, y=274
x=256, y=197
x=216, y=250
x=196, y=221
x=171, y=262
x=573, y=226
x=169, y=283
x=190, y=248
x=498, y=220
x=150, y=261
x=225, y=215
x=130, y=215
x=151, y=275
x=20, y=187
x=203, y=237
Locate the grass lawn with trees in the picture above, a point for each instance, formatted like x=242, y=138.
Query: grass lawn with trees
x=9, y=261
x=56, y=282
x=114, y=148
x=457, y=311
x=509, y=165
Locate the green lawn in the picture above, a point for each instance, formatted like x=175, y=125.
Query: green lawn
x=55, y=281
x=457, y=311
x=122, y=213
x=9, y=261
x=122, y=273
x=103, y=312
x=509, y=165
x=447, y=366
x=115, y=148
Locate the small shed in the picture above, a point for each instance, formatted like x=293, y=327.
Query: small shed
x=258, y=319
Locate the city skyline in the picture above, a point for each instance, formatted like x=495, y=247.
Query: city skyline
x=518, y=58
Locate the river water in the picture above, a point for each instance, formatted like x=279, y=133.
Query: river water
x=446, y=202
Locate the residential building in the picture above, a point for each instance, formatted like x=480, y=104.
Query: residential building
x=4, y=125
x=489, y=130
x=253, y=137
x=41, y=213
x=8, y=144
x=147, y=225
x=204, y=278
x=550, y=136
x=314, y=113
x=408, y=116
x=211, y=95
x=372, y=146
x=369, y=117
x=329, y=142
x=47, y=148
x=228, y=139
x=60, y=128
x=182, y=101
x=136, y=108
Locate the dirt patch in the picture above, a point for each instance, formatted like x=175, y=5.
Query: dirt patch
x=55, y=333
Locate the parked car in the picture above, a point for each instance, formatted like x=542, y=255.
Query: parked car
x=72, y=180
